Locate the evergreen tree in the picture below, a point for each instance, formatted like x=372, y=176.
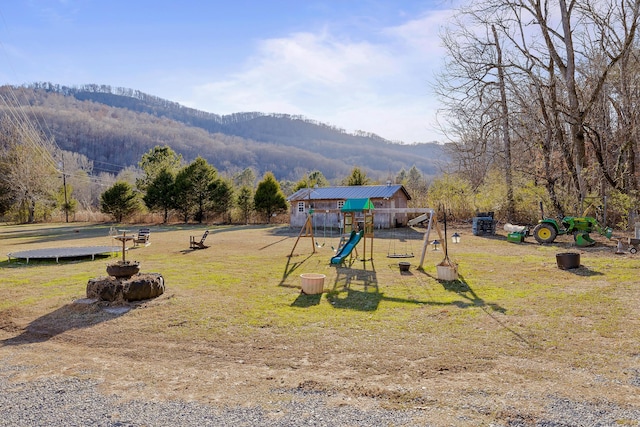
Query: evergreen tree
x=245, y=202
x=357, y=177
x=160, y=195
x=221, y=193
x=156, y=160
x=183, y=197
x=269, y=198
x=119, y=201
x=194, y=189
x=313, y=179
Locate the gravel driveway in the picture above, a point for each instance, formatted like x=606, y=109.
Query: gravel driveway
x=75, y=402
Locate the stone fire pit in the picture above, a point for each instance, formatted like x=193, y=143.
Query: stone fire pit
x=135, y=288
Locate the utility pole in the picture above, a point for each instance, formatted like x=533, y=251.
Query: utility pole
x=64, y=185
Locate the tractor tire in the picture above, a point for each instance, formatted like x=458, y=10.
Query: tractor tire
x=545, y=233
x=633, y=250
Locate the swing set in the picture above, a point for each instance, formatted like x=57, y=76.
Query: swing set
x=428, y=216
x=410, y=224
x=309, y=230
x=306, y=231
x=433, y=222
x=353, y=206
x=324, y=232
x=349, y=223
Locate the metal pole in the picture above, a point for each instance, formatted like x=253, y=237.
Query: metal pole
x=64, y=185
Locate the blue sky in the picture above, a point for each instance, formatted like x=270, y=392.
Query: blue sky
x=355, y=64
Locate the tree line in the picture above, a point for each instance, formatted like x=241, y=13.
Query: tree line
x=39, y=180
x=545, y=95
x=196, y=191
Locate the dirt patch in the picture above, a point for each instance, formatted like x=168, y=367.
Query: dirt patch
x=6, y=321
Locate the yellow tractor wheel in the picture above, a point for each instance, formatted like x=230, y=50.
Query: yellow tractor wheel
x=545, y=233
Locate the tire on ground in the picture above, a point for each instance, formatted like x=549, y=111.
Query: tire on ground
x=545, y=233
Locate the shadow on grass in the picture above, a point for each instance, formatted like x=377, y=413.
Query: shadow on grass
x=209, y=239
x=355, y=288
x=273, y=244
x=355, y=300
x=305, y=300
x=462, y=288
x=73, y=232
x=39, y=262
x=290, y=268
x=66, y=318
x=584, y=271
x=68, y=232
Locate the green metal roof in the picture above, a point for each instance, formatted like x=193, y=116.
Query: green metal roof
x=357, y=205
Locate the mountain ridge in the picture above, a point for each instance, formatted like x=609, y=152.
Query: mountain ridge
x=118, y=125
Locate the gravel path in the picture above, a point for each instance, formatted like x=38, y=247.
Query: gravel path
x=74, y=402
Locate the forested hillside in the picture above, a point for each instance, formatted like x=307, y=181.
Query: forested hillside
x=113, y=127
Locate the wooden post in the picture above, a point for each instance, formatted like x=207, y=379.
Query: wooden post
x=307, y=229
x=425, y=242
x=368, y=234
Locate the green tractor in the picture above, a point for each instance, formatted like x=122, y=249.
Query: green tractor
x=548, y=228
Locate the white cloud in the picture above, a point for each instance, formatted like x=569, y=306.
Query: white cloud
x=422, y=34
x=380, y=87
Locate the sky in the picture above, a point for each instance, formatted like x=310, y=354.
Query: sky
x=360, y=65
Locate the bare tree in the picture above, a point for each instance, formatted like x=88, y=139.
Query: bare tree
x=587, y=27
x=31, y=170
x=504, y=122
x=474, y=90
x=552, y=62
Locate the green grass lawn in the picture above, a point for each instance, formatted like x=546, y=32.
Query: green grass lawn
x=513, y=320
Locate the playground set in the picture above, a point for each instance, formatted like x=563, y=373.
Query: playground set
x=357, y=225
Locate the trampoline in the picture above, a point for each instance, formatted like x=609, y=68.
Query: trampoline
x=57, y=253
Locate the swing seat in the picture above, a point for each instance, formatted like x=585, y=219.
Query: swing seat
x=400, y=255
x=407, y=248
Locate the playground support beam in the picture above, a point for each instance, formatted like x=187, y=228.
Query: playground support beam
x=307, y=229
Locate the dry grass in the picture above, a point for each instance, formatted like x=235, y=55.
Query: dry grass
x=233, y=328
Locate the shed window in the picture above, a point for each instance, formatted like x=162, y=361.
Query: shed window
x=300, y=207
x=340, y=204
